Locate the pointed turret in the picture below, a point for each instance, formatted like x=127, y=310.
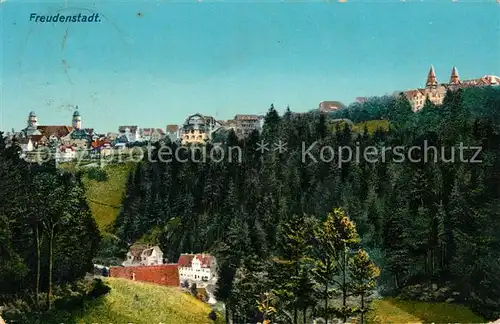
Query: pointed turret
x=32, y=120
x=431, y=78
x=454, y=79
x=77, y=119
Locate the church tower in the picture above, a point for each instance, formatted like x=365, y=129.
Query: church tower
x=454, y=79
x=431, y=79
x=77, y=120
x=32, y=120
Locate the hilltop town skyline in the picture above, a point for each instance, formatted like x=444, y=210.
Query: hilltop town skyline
x=434, y=87
x=156, y=68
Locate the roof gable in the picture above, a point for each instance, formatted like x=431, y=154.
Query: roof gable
x=132, y=129
x=205, y=260
x=58, y=131
x=172, y=128
x=185, y=260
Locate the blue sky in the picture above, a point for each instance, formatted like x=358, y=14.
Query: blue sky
x=177, y=58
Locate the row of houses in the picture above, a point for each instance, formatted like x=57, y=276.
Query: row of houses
x=192, y=267
x=199, y=128
x=147, y=263
x=66, y=140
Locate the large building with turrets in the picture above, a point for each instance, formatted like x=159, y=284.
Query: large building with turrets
x=436, y=91
x=40, y=135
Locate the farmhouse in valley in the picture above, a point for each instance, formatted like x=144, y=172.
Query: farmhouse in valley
x=143, y=255
x=197, y=268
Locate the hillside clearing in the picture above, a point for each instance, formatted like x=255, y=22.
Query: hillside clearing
x=371, y=126
x=104, y=197
x=137, y=302
x=396, y=311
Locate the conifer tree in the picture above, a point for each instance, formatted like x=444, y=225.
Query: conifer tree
x=363, y=274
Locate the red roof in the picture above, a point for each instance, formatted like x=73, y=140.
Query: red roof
x=205, y=260
x=58, y=131
x=163, y=274
x=99, y=143
x=185, y=260
x=65, y=146
x=35, y=138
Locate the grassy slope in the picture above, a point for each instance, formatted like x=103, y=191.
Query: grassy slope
x=154, y=304
x=371, y=125
x=391, y=310
x=105, y=197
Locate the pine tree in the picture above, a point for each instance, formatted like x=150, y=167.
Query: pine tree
x=363, y=274
x=272, y=122
x=294, y=287
x=321, y=128
x=334, y=238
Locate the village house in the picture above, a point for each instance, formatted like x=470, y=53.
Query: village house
x=65, y=153
x=112, y=136
x=143, y=255
x=173, y=132
x=101, y=147
x=151, y=134
x=196, y=129
x=329, y=106
x=128, y=134
x=198, y=268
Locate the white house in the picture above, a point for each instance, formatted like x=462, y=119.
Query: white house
x=143, y=255
x=151, y=134
x=65, y=154
x=198, y=268
x=131, y=132
x=28, y=147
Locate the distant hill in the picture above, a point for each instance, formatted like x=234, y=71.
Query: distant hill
x=136, y=302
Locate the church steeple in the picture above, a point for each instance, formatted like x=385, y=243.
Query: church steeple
x=454, y=79
x=431, y=78
x=32, y=120
x=77, y=119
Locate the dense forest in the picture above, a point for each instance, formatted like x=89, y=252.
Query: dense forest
x=265, y=215
x=44, y=218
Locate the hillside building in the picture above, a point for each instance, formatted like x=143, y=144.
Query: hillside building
x=436, y=91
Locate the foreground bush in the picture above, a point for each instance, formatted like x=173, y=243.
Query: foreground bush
x=66, y=298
